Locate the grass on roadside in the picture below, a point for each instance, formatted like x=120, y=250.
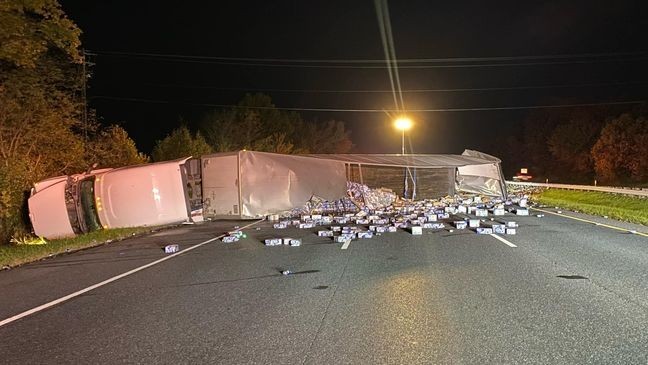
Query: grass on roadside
x=13, y=255
x=616, y=206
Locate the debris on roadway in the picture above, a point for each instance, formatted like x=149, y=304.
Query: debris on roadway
x=365, y=213
x=171, y=248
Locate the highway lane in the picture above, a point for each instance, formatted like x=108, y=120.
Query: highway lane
x=46, y=280
x=439, y=298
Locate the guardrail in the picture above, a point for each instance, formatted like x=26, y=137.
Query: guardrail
x=605, y=189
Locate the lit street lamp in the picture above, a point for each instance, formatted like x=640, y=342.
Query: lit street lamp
x=403, y=124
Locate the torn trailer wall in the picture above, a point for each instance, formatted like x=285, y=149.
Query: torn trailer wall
x=269, y=183
x=428, y=176
x=429, y=183
x=486, y=178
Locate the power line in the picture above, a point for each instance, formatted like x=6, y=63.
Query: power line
x=344, y=110
x=402, y=60
x=331, y=66
x=360, y=91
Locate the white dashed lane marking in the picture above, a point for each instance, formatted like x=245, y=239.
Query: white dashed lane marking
x=510, y=244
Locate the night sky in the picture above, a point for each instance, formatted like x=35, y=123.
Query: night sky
x=167, y=90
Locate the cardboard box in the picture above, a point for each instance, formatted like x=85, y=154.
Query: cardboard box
x=365, y=234
x=340, y=239
x=431, y=217
x=171, y=248
x=295, y=243
x=484, y=230
x=498, y=211
x=273, y=241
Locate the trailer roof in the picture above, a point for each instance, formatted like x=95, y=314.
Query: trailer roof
x=421, y=161
x=414, y=160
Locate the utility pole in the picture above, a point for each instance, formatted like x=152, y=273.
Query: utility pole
x=84, y=115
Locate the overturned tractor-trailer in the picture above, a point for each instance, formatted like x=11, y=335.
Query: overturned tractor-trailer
x=243, y=184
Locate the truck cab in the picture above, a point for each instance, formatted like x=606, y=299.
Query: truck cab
x=142, y=195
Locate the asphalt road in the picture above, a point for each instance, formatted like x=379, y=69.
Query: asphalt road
x=444, y=297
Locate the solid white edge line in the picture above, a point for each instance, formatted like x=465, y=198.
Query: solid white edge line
x=590, y=221
x=346, y=244
x=503, y=240
x=107, y=281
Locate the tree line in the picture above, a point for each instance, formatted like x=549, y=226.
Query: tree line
x=254, y=124
x=580, y=145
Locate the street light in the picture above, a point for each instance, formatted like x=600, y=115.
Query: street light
x=403, y=124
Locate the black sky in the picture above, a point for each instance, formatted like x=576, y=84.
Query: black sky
x=349, y=30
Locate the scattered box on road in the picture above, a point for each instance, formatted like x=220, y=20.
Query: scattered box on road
x=499, y=228
x=171, y=248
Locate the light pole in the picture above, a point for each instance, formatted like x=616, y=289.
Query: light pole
x=403, y=123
